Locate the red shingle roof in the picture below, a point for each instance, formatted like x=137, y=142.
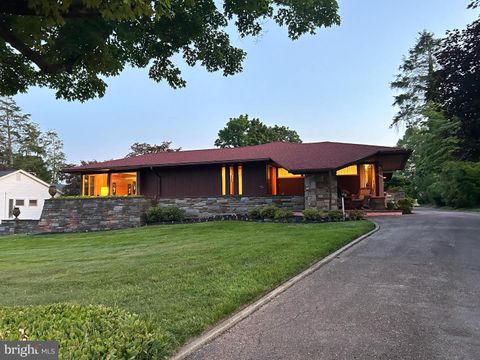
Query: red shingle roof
x=306, y=157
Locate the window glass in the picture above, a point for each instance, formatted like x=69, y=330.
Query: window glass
x=232, y=180
x=19, y=202
x=240, y=179
x=284, y=173
x=32, y=203
x=224, y=180
x=351, y=170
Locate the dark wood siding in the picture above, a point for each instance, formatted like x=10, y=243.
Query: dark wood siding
x=349, y=183
x=197, y=181
x=291, y=186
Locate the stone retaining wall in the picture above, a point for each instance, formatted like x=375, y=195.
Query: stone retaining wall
x=109, y=213
x=92, y=214
x=211, y=206
x=10, y=227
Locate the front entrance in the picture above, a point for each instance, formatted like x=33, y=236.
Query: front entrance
x=362, y=186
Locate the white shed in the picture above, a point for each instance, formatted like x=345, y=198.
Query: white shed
x=21, y=189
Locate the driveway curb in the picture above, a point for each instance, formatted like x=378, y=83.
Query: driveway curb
x=226, y=324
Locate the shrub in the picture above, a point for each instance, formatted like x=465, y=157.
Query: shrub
x=391, y=205
x=283, y=214
x=152, y=215
x=84, y=332
x=356, y=214
x=255, y=213
x=157, y=214
x=268, y=212
x=335, y=214
x=405, y=205
x=311, y=214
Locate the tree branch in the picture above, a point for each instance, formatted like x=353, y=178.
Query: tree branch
x=32, y=55
x=21, y=8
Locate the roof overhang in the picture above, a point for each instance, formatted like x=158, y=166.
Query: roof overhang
x=398, y=159
x=83, y=170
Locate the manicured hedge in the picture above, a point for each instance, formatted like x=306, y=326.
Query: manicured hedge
x=270, y=212
x=312, y=214
x=158, y=214
x=84, y=332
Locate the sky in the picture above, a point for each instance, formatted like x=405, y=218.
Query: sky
x=332, y=86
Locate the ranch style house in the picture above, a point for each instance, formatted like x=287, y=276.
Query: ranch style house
x=318, y=173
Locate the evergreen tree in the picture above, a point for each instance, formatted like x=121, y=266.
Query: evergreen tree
x=54, y=155
x=416, y=81
x=12, y=127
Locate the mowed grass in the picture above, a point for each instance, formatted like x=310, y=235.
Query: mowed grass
x=183, y=278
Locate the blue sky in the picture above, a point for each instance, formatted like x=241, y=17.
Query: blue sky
x=331, y=86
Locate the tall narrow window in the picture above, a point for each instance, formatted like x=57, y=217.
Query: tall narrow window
x=224, y=180
x=84, y=185
x=272, y=179
x=240, y=179
x=232, y=180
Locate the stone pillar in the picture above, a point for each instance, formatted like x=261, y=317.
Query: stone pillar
x=321, y=191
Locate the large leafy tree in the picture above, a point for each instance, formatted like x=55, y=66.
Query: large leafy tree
x=243, y=131
x=459, y=84
x=434, y=143
x=73, y=45
x=416, y=81
x=138, y=149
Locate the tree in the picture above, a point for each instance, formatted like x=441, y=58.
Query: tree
x=33, y=164
x=434, y=143
x=416, y=80
x=459, y=85
x=54, y=155
x=24, y=146
x=243, y=131
x=30, y=140
x=72, y=45
x=143, y=148
x=12, y=126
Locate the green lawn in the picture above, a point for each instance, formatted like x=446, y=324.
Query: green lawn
x=183, y=278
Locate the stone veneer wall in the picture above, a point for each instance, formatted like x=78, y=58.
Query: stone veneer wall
x=10, y=227
x=210, y=206
x=317, y=191
x=92, y=214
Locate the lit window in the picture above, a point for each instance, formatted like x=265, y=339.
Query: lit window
x=240, y=179
x=284, y=173
x=232, y=180
x=32, y=203
x=351, y=170
x=272, y=179
x=224, y=180
x=19, y=202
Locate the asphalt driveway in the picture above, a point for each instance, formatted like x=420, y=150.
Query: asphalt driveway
x=410, y=291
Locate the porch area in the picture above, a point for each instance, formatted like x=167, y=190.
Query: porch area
x=361, y=186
